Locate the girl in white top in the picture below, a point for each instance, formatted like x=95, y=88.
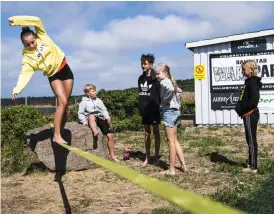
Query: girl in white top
x=170, y=108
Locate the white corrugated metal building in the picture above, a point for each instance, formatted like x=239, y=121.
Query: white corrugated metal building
x=219, y=81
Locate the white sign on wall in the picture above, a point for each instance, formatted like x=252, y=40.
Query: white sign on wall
x=266, y=102
x=228, y=101
x=226, y=71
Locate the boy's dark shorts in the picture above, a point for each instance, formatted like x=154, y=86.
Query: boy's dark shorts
x=151, y=117
x=103, y=125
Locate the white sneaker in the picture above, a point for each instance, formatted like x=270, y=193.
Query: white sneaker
x=248, y=169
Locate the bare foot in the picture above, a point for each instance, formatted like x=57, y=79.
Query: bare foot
x=183, y=168
x=167, y=172
x=113, y=158
x=144, y=163
x=59, y=140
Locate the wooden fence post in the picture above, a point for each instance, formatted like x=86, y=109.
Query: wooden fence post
x=26, y=101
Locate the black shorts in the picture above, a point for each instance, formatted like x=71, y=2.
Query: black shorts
x=151, y=118
x=103, y=125
x=64, y=74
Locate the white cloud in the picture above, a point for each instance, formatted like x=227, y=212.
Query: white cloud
x=137, y=32
x=181, y=66
x=126, y=75
x=225, y=16
x=11, y=57
x=59, y=14
x=85, y=60
x=120, y=76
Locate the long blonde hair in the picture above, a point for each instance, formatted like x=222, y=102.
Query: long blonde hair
x=252, y=64
x=165, y=68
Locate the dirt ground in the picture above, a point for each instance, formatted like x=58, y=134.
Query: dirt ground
x=91, y=191
x=98, y=191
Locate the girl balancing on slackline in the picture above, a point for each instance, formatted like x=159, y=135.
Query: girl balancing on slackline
x=41, y=53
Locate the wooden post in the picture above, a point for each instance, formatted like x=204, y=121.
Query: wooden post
x=26, y=101
x=56, y=102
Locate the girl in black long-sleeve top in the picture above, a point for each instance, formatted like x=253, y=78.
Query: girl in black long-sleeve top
x=247, y=108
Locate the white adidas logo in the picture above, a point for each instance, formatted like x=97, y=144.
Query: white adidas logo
x=145, y=86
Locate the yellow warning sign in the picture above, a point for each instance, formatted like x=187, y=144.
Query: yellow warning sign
x=199, y=72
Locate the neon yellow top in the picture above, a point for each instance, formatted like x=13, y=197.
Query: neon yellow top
x=47, y=57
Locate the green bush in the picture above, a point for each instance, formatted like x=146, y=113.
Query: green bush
x=16, y=121
x=187, y=107
x=132, y=124
x=120, y=103
x=73, y=113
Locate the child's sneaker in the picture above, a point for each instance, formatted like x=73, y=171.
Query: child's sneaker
x=126, y=156
x=248, y=169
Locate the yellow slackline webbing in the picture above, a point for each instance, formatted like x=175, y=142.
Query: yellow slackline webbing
x=183, y=198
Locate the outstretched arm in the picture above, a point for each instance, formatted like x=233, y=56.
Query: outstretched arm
x=23, y=79
x=28, y=21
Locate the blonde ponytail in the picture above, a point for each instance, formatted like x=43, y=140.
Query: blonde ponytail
x=174, y=83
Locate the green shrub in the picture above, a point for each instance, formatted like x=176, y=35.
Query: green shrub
x=187, y=108
x=73, y=113
x=120, y=103
x=132, y=124
x=16, y=121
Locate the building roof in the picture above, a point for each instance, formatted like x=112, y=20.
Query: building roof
x=235, y=37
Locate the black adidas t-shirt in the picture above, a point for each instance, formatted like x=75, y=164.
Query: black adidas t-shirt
x=149, y=93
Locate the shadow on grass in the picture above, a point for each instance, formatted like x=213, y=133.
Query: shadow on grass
x=58, y=179
x=142, y=156
x=218, y=158
x=34, y=167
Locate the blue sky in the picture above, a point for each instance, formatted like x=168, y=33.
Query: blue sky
x=103, y=41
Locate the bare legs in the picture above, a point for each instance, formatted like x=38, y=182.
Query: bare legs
x=111, y=147
x=174, y=149
x=92, y=125
x=156, y=134
x=62, y=90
